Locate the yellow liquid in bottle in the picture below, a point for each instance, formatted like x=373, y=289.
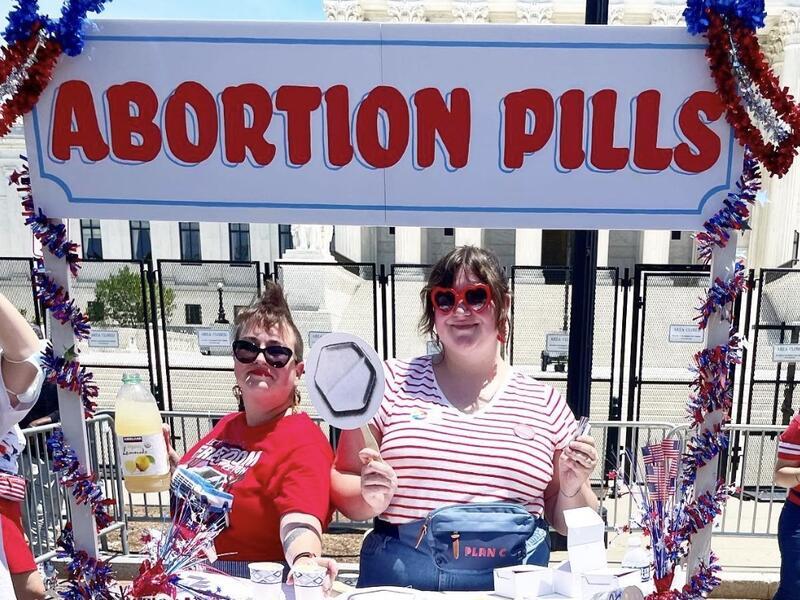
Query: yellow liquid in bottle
x=143, y=451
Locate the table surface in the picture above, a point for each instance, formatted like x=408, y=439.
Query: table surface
x=240, y=589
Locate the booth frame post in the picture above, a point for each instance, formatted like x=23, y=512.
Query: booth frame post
x=581, y=329
x=73, y=421
x=723, y=262
x=584, y=282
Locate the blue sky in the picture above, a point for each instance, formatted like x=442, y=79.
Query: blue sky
x=260, y=10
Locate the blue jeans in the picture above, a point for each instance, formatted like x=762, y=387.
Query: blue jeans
x=387, y=560
x=789, y=544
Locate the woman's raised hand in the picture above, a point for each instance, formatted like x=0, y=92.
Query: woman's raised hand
x=378, y=480
x=576, y=464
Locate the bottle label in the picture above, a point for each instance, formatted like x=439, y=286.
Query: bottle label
x=645, y=573
x=144, y=455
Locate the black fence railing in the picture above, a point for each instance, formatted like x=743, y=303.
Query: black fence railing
x=174, y=324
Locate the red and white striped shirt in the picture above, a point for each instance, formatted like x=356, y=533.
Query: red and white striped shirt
x=501, y=453
x=789, y=449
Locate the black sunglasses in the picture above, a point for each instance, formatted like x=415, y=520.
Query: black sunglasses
x=276, y=356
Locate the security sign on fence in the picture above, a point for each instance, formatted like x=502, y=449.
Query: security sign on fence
x=336, y=123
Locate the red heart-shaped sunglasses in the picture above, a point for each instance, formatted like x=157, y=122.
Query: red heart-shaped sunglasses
x=476, y=296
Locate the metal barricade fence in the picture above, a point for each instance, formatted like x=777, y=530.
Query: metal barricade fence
x=754, y=507
x=617, y=477
x=45, y=509
x=748, y=512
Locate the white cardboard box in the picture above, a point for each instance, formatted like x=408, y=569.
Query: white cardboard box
x=565, y=582
x=523, y=581
x=585, y=546
x=607, y=580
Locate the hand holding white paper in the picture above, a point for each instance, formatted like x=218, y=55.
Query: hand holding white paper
x=345, y=382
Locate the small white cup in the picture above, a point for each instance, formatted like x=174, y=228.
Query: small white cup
x=266, y=579
x=308, y=580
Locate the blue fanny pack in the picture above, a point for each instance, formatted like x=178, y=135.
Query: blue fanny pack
x=477, y=537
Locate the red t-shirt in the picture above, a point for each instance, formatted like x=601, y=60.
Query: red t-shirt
x=789, y=449
x=281, y=467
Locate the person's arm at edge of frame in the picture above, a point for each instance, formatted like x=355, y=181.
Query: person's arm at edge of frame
x=19, y=342
x=787, y=473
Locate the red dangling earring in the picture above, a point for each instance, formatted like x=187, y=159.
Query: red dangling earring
x=502, y=334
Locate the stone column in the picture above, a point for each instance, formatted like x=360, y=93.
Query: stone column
x=616, y=12
x=667, y=13
x=343, y=10
x=602, y=247
x=408, y=245
x=406, y=11
x=470, y=11
x=655, y=247
x=759, y=235
x=469, y=236
x=348, y=241
x=779, y=218
x=534, y=12
x=528, y=247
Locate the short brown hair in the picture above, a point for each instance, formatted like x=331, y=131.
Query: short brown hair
x=483, y=264
x=268, y=310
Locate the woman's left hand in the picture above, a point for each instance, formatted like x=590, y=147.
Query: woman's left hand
x=576, y=464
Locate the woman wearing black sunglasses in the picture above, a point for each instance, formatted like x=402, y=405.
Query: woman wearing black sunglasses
x=276, y=460
x=474, y=455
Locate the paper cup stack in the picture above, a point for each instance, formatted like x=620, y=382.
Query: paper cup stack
x=308, y=580
x=266, y=579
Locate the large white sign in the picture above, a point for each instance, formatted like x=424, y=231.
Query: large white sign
x=521, y=126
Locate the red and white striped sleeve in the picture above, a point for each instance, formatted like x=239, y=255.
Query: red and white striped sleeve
x=789, y=442
x=381, y=419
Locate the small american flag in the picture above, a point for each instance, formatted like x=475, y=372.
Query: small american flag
x=12, y=487
x=661, y=468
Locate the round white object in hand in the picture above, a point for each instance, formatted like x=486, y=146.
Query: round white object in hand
x=345, y=380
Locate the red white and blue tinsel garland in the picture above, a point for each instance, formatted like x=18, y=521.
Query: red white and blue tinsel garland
x=66, y=31
x=82, y=486
x=734, y=214
x=34, y=43
x=88, y=578
x=68, y=374
x=671, y=519
x=50, y=236
x=720, y=297
x=762, y=113
x=710, y=389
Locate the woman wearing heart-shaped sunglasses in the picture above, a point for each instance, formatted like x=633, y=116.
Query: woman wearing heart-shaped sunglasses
x=476, y=458
x=275, y=459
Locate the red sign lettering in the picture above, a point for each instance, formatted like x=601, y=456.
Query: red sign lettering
x=193, y=117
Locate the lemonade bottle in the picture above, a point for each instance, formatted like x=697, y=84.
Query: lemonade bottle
x=143, y=451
